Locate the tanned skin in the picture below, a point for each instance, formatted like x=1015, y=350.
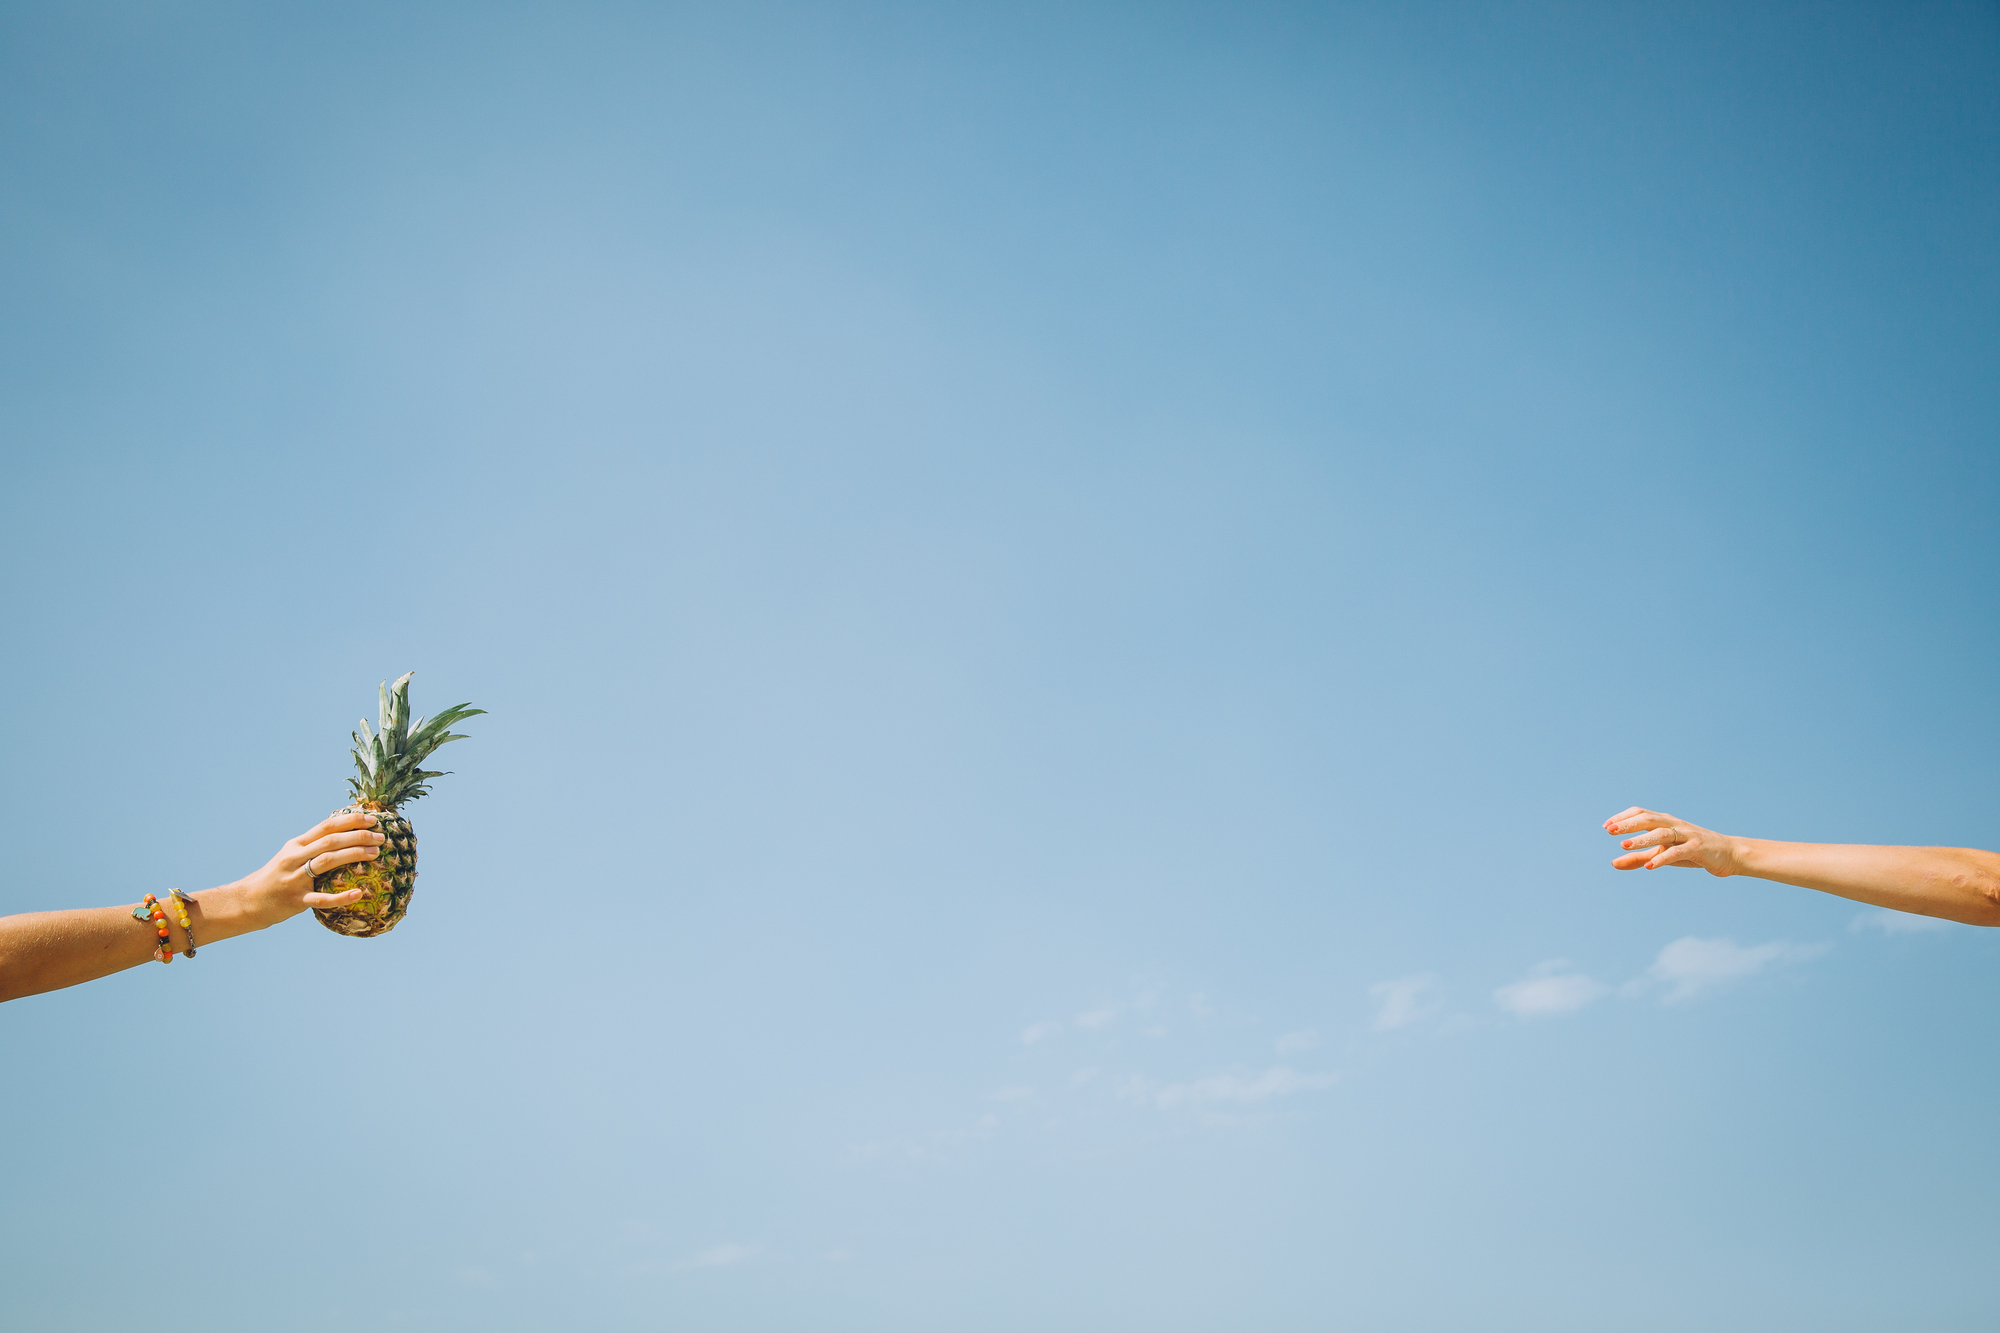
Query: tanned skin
x=1955, y=883
x=45, y=951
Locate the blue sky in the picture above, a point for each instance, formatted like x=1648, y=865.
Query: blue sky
x=1061, y=592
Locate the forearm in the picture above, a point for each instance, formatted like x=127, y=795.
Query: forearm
x=45, y=951
x=1956, y=883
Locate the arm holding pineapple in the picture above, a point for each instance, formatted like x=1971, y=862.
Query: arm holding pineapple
x=45, y=951
x=1955, y=883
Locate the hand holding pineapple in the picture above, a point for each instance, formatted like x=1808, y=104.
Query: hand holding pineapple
x=356, y=869
x=284, y=887
x=45, y=951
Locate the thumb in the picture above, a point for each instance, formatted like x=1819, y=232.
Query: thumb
x=332, y=899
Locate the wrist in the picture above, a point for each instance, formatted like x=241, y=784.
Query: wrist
x=230, y=910
x=1739, y=856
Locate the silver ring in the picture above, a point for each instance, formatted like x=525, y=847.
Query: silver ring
x=309, y=866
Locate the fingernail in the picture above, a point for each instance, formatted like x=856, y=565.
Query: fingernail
x=380, y=838
x=373, y=820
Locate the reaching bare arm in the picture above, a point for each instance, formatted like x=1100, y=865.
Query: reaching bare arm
x=44, y=951
x=1956, y=883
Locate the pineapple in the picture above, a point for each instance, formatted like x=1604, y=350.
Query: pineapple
x=386, y=762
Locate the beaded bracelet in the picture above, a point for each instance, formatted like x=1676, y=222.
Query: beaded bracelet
x=183, y=901
x=155, y=912
x=151, y=911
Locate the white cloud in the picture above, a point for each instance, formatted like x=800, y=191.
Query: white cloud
x=1547, y=990
x=717, y=1256
x=1145, y=1001
x=1898, y=923
x=1689, y=966
x=1294, y=1042
x=1405, y=1000
x=1278, y=1081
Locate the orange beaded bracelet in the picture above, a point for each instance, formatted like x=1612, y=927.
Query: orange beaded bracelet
x=150, y=912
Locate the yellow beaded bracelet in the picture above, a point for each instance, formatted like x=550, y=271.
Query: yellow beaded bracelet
x=181, y=902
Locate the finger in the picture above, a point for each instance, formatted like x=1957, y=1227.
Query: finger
x=347, y=819
x=332, y=899
x=1626, y=813
x=346, y=856
x=1638, y=819
x=1632, y=860
x=1675, y=855
x=1665, y=837
x=334, y=842
x=307, y=855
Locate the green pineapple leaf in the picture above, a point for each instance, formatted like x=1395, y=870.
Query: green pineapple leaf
x=386, y=759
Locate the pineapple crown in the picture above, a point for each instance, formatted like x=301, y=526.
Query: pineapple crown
x=386, y=759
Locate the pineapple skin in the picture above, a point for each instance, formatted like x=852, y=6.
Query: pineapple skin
x=387, y=883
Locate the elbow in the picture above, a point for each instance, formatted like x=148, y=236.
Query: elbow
x=1980, y=888
x=1988, y=910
